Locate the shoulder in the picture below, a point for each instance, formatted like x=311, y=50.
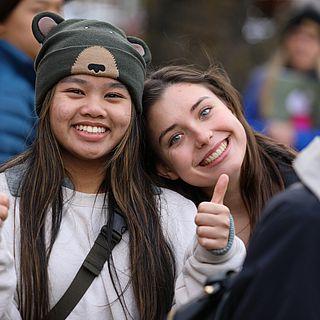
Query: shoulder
x=288, y=174
x=177, y=214
x=11, y=179
x=175, y=203
x=297, y=204
x=4, y=188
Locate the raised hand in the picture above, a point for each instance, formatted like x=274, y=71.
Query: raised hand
x=213, y=219
x=4, y=207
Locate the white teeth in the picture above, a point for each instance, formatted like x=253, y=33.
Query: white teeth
x=90, y=129
x=217, y=153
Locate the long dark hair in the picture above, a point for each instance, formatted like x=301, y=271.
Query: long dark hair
x=260, y=176
x=152, y=261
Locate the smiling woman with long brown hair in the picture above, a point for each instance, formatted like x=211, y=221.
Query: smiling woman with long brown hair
x=197, y=132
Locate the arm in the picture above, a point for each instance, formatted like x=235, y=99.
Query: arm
x=201, y=263
x=214, y=250
x=8, y=280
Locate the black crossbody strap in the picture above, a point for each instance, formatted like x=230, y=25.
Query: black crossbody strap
x=90, y=268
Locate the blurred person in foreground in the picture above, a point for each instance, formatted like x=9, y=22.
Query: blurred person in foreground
x=282, y=281
x=18, y=49
x=282, y=98
x=280, y=276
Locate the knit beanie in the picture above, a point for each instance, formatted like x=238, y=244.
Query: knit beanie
x=80, y=46
x=300, y=16
x=6, y=8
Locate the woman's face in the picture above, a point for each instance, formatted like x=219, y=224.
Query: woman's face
x=303, y=46
x=196, y=136
x=89, y=115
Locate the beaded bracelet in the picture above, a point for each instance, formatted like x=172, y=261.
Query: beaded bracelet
x=220, y=252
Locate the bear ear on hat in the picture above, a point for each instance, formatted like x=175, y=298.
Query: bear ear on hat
x=141, y=47
x=43, y=23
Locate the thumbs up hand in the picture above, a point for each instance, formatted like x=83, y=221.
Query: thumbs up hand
x=213, y=220
x=4, y=207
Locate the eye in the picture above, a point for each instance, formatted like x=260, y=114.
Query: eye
x=76, y=91
x=175, y=139
x=114, y=95
x=205, y=112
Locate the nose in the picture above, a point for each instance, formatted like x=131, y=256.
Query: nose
x=202, y=137
x=93, y=108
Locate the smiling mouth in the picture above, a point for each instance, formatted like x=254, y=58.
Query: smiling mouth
x=90, y=129
x=216, y=154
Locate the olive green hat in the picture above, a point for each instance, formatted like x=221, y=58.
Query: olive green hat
x=80, y=46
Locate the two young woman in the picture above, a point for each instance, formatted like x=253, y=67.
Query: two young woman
x=84, y=164
x=198, y=134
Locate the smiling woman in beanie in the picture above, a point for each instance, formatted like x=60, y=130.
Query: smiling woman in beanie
x=84, y=174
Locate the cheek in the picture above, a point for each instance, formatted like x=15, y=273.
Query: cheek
x=179, y=159
x=59, y=118
x=122, y=121
x=241, y=140
x=60, y=113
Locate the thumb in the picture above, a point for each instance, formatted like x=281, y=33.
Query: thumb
x=220, y=189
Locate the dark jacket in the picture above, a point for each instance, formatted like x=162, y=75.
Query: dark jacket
x=17, y=117
x=280, y=277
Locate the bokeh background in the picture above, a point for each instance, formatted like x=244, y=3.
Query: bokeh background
x=239, y=34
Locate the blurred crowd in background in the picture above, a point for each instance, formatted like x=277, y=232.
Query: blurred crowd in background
x=270, y=49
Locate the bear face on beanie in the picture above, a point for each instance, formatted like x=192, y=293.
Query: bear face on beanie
x=80, y=46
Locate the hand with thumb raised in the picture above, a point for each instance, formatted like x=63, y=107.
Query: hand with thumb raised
x=213, y=218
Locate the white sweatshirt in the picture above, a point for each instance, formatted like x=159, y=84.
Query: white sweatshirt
x=81, y=223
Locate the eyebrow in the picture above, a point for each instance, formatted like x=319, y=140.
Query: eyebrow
x=193, y=107
x=116, y=85
x=111, y=85
x=42, y=1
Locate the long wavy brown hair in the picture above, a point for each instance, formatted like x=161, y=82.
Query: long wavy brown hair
x=260, y=176
x=152, y=260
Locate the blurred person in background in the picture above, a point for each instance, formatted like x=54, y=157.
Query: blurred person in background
x=282, y=98
x=18, y=49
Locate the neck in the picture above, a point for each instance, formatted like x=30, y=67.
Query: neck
x=86, y=175
x=233, y=199
x=235, y=203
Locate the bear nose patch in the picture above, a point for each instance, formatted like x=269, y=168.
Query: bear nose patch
x=96, y=67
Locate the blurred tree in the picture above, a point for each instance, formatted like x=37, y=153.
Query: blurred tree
x=197, y=32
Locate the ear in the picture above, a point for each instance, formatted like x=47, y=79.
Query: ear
x=43, y=23
x=165, y=172
x=141, y=47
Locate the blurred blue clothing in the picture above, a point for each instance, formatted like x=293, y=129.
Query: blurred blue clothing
x=17, y=116
x=292, y=90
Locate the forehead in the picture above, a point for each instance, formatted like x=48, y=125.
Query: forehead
x=308, y=26
x=47, y=2
x=34, y=6
x=183, y=95
x=86, y=79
